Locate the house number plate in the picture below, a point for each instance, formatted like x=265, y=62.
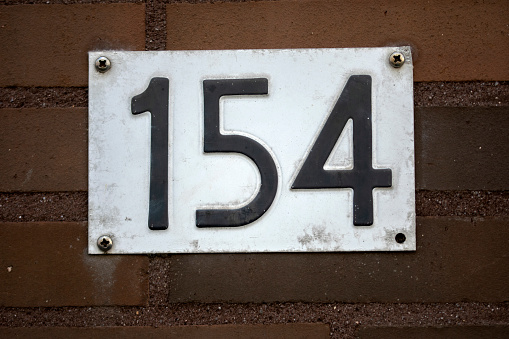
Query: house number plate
x=296, y=150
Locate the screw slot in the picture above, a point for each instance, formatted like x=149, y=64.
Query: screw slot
x=397, y=59
x=400, y=238
x=102, y=64
x=104, y=243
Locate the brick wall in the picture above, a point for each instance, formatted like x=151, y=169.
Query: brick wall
x=454, y=285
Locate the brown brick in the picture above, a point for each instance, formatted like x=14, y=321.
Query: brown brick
x=43, y=149
x=47, y=264
x=456, y=332
x=276, y=331
x=457, y=41
x=456, y=149
x=462, y=148
x=456, y=260
x=47, y=45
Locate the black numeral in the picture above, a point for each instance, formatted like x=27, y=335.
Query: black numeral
x=155, y=100
x=354, y=103
x=214, y=141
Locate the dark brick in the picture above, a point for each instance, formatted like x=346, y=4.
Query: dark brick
x=462, y=148
x=47, y=45
x=276, y=331
x=448, y=42
x=457, y=332
x=47, y=264
x=457, y=259
x=43, y=149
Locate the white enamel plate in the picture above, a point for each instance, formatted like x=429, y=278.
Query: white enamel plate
x=298, y=150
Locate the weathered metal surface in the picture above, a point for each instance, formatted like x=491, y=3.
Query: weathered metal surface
x=307, y=92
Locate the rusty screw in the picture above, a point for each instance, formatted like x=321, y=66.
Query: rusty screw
x=104, y=243
x=102, y=64
x=397, y=59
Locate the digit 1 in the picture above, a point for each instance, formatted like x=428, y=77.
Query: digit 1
x=353, y=103
x=155, y=100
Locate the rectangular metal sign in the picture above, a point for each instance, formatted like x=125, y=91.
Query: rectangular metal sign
x=251, y=151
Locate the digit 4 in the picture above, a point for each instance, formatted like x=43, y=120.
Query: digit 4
x=354, y=103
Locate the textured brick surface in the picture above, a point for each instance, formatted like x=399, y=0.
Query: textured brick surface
x=462, y=148
x=47, y=264
x=47, y=45
x=458, y=332
x=450, y=42
x=456, y=260
x=344, y=319
x=279, y=331
x=43, y=149
x=456, y=149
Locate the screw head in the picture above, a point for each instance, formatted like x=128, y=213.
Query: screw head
x=102, y=64
x=104, y=243
x=397, y=59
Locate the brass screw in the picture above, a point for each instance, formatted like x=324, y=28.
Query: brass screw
x=104, y=243
x=397, y=59
x=102, y=64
